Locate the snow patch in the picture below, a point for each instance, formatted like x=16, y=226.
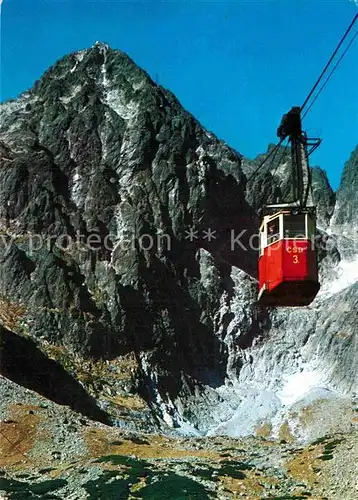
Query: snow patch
x=185, y=429
x=138, y=85
x=121, y=224
x=166, y=409
x=76, y=187
x=201, y=171
x=70, y=143
x=13, y=128
x=298, y=385
x=9, y=107
x=128, y=149
x=105, y=81
x=74, y=91
x=256, y=405
x=114, y=98
x=200, y=167
x=347, y=275
x=79, y=57
x=103, y=136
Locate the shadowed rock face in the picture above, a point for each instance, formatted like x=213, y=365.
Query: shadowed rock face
x=97, y=150
x=346, y=213
x=25, y=364
x=324, y=196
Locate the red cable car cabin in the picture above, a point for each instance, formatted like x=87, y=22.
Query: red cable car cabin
x=288, y=274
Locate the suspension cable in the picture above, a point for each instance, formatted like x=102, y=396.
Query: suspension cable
x=284, y=152
x=272, y=152
x=329, y=62
x=273, y=159
x=275, y=149
x=330, y=75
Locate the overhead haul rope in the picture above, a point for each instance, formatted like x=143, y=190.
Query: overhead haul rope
x=274, y=150
x=329, y=61
x=284, y=151
x=330, y=75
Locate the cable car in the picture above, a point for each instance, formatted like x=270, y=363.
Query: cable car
x=288, y=273
x=287, y=267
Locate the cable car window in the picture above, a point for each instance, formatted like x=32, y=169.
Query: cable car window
x=262, y=240
x=310, y=226
x=273, y=230
x=294, y=226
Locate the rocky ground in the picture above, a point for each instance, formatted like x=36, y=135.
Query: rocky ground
x=49, y=451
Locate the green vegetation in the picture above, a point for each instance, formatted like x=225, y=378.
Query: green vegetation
x=133, y=463
x=173, y=487
x=328, y=450
x=206, y=474
x=332, y=445
x=106, y=488
x=45, y=471
x=320, y=440
x=20, y=490
x=157, y=487
x=135, y=468
x=289, y=497
x=233, y=469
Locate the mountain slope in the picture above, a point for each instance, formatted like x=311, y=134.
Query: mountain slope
x=49, y=451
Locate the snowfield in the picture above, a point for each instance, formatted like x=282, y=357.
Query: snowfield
x=347, y=275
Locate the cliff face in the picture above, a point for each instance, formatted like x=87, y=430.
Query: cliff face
x=119, y=214
x=345, y=217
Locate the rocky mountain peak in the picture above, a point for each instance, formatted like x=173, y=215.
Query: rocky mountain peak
x=117, y=213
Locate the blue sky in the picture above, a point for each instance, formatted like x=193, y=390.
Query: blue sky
x=237, y=66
